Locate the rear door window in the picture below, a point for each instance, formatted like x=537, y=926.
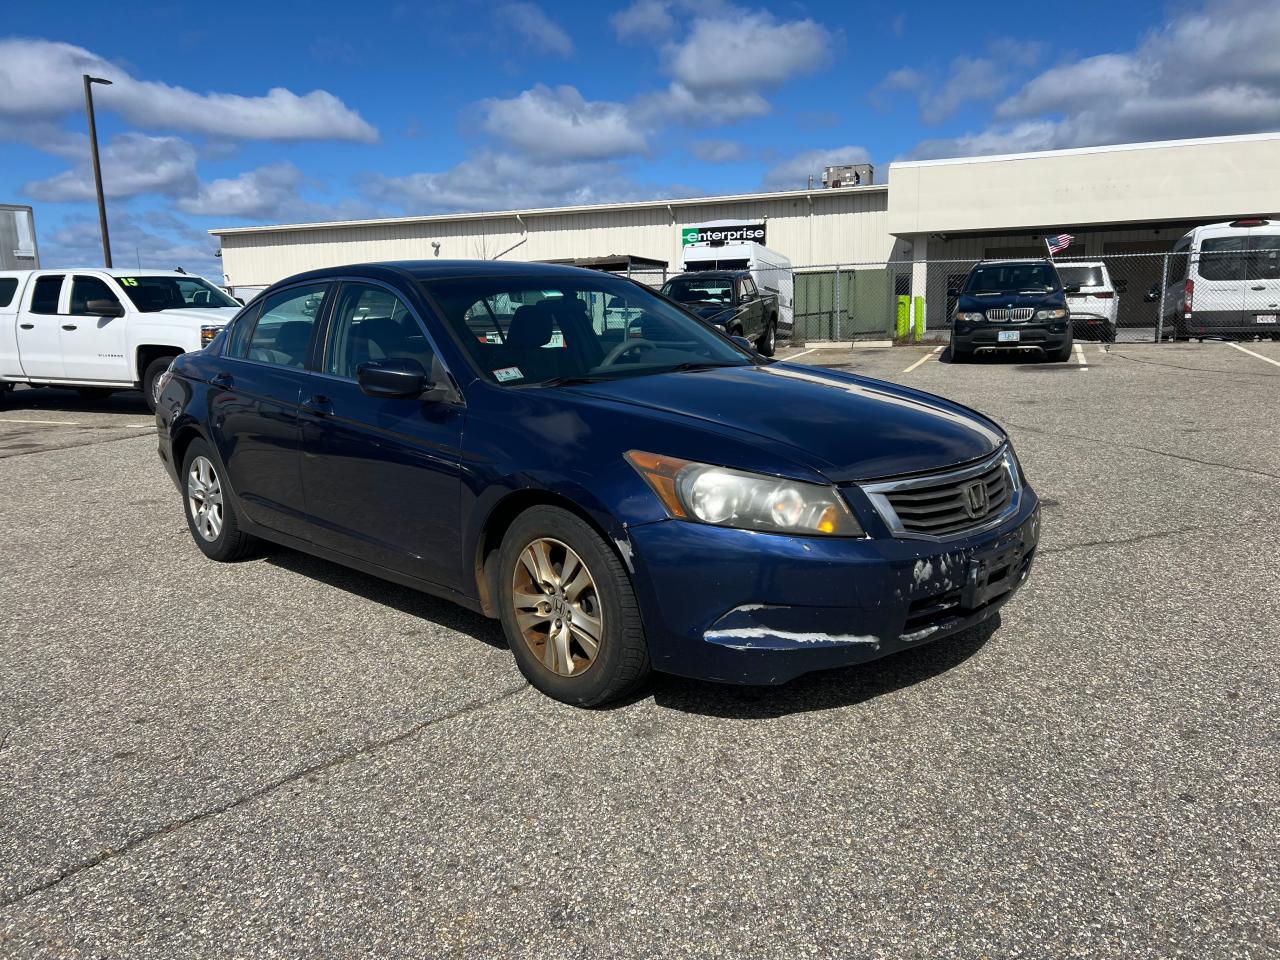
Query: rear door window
x=281, y=333
x=44, y=298
x=1264, y=257
x=1224, y=258
x=8, y=287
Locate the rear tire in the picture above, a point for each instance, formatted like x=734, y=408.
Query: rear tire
x=767, y=345
x=151, y=380
x=210, y=507
x=605, y=603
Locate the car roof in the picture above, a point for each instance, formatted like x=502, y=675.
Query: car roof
x=1004, y=263
x=109, y=271
x=448, y=269
x=713, y=273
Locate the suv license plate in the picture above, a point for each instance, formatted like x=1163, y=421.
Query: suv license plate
x=1008, y=336
x=1266, y=318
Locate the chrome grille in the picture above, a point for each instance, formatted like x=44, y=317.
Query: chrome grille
x=1013, y=313
x=950, y=504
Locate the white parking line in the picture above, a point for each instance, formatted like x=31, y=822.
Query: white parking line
x=800, y=354
x=1080, y=358
x=1274, y=363
x=928, y=356
x=47, y=423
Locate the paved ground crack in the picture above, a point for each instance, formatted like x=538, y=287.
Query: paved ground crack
x=1132, y=446
x=239, y=801
x=1139, y=538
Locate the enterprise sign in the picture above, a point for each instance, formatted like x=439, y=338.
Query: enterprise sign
x=715, y=235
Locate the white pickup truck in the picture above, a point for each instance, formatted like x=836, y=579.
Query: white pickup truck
x=98, y=330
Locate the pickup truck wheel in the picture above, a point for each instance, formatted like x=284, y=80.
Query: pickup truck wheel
x=568, y=609
x=151, y=381
x=768, y=342
x=211, y=512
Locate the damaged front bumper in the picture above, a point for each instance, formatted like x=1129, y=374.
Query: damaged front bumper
x=743, y=607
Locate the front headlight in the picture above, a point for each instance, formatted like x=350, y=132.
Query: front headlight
x=1056, y=314
x=747, y=501
x=208, y=332
x=971, y=317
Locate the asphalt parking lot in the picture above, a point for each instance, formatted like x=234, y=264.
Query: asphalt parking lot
x=283, y=757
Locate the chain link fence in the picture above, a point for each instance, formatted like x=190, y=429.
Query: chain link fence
x=1129, y=297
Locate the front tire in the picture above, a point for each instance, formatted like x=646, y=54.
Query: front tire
x=151, y=380
x=568, y=609
x=767, y=345
x=210, y=508
x=1062, y=354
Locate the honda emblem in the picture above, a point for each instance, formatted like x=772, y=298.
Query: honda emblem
x=975, y=499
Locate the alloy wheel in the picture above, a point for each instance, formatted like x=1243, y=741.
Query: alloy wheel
x=204, y=498
x=557, y=607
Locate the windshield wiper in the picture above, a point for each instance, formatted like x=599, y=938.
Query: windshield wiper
x=702, y=365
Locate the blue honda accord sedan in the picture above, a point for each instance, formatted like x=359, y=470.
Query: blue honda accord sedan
x=624, y=487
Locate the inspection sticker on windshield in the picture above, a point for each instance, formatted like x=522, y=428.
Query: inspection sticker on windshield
x=508, y=373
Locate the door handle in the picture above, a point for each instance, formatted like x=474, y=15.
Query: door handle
x=318, y=406
x=222, y=380
x=68, y=326
x=1260, y=286
x=27, y=326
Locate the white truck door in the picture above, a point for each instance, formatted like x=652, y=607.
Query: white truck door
x=1262, y=284
x=94, y=347
x=11, y=289
x=40, y=328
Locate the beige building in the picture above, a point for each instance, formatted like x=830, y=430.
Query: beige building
x=1117, y=199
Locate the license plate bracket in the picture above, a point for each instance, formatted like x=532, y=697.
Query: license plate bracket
x=1008, y=336
x=991, y=575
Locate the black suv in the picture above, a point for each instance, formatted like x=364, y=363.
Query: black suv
x=1012, y=305
x=729, y=300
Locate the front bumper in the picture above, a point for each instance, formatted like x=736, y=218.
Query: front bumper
x=986, y=336
x=767, y=608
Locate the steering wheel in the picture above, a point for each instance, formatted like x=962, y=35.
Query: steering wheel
x=625, y=347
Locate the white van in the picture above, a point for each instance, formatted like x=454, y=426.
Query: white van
x=1224, y=280
x=770, y=270
x=98, y=331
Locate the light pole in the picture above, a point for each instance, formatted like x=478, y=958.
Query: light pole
x=97, y=167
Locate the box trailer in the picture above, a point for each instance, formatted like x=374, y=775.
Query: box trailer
x=739, y=245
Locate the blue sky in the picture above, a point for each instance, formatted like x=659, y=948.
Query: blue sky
x=286, y=113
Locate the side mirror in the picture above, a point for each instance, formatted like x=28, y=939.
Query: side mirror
x=394, y=378
x=744, y=343
x=1152, y=295
x=105, y=308
x=238, y=300
x=952, y=292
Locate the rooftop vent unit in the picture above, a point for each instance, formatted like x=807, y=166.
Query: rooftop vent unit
x=849, y=175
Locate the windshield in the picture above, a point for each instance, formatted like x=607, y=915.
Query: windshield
x=1012, y=278
x=1082, y=276
x=692, y=290
x=530, y=330
x=150, y=294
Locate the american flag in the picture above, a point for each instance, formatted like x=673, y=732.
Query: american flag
x=1059, y=243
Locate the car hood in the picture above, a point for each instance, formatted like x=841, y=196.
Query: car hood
x=971, y=303
x=845, y=427
x=194, y=315
x=710, y=311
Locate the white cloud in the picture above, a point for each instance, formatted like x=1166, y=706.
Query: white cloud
x=531, y=22
x=793, y=173
x=132, y=164
x=158, y=245
x=40, y=79
x=967, y=79
x=713, y=150
x=561, y=124
x=679, y=104
x=492, y=180
x=643, y=20
x=1208, y=72
x=259, y=193
x=746, y=50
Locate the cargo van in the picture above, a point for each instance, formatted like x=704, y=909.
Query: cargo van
x=1224, y=280
x=730, y=248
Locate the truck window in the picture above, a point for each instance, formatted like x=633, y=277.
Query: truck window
x=1223, y=258
x=84, y=289
x=44, y=298
x=8, y=287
